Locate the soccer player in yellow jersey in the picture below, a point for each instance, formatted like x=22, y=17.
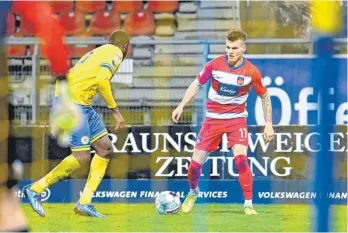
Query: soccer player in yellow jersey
x=91, y=74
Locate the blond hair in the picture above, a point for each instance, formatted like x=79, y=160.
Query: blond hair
x=236, y=34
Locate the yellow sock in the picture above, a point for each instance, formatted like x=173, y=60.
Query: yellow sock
x=96, y=174
x=63, y=170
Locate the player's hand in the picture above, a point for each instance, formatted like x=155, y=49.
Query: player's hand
x=177, y=113
x=268, y=132
x=120, y=123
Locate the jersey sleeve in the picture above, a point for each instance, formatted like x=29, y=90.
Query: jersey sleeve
x=104, y=87
x=206, y=73
x=257, y=83
x=112, y=62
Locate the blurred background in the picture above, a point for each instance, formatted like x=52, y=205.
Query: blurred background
x=170, y=44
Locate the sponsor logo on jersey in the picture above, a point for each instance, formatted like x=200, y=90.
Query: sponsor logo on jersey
x=240, y=81
x=227, y=90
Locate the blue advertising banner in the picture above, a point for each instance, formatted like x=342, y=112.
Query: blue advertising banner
x=294, y=99
x=212, y=191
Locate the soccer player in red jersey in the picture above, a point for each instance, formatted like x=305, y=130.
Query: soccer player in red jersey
x=232, y=77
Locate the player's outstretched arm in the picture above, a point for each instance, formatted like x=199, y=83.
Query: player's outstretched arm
x=104, y=87
x=191, y=91
x=267, y=110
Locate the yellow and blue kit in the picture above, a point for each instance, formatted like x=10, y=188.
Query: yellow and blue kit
x=92, y=74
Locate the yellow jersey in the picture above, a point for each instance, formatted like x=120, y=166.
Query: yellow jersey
x=92, y=74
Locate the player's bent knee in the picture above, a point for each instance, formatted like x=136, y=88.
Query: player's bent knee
x=84, y=161
x=109, y=147
x=104, y=152
x=103, y=146
x=239, y=150
x=200, y=156
x=83, y=157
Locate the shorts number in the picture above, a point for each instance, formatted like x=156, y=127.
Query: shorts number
x=243, y=133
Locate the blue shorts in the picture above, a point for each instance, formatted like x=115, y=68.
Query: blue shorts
x=90, y=129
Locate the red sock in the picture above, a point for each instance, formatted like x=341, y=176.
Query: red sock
x=245, y=176
x=193, y=174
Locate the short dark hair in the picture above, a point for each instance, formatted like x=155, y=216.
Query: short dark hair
x=120, y=39
x=236, y=34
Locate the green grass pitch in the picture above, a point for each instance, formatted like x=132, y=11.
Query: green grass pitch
x=205, y=217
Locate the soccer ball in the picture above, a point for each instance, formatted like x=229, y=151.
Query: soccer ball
x=168, y=202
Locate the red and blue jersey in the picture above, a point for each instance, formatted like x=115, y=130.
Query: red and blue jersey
x=230, y=87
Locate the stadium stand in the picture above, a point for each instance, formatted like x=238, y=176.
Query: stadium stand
x=104, y=22
x=127, y=6
x=73, y=22
x=165, y=18
x=188, y=7
x=90, y=6
x=161, y=72
x=195, y=22
x=11, y=24
x=30, y=51
x=130, y=51
x=15, y=8
x=16, y=50
x=163, y=7
x=26, y=29
x=62, y=6
x=165, y=26
x=140, y=23
x=77, y=51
